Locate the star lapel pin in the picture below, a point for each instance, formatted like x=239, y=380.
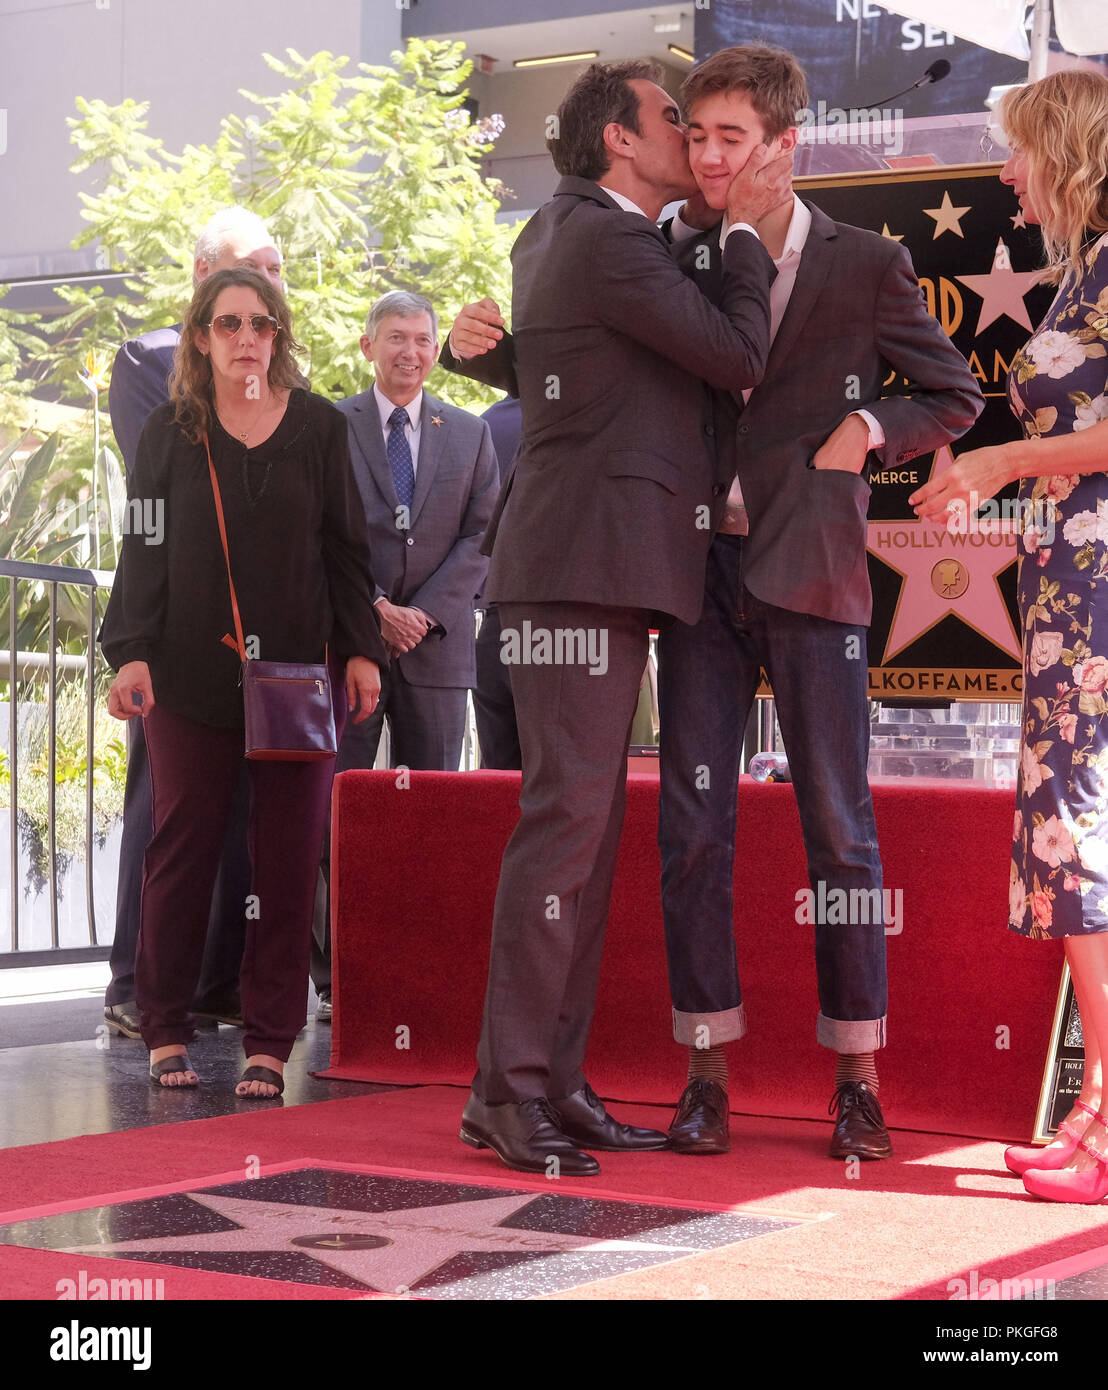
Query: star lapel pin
x=436, y=419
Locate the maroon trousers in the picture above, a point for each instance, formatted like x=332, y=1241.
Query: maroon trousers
x=192, y=772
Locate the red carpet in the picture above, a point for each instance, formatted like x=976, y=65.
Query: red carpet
x=906, y=1228
x=41, y=1274
x=414, y=878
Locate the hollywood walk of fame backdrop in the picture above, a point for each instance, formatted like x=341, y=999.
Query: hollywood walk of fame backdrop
x=353, y=1228
x=945, y=623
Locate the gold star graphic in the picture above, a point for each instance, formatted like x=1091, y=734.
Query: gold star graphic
x=947, y=217
x=885, y=232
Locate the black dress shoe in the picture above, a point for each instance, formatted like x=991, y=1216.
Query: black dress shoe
x=124, y=1019
x=583, y=1119
x=702, y=1124
x=525, y=1136
x=860, y=1128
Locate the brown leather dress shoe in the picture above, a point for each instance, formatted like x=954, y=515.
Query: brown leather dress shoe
x=584, y=1120
x=860, y=1128
x=702, y=1124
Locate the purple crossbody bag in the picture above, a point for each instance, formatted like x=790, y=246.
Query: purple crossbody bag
x=287, y=704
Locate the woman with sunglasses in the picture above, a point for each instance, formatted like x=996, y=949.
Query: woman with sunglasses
x=299, y=557
x=1057, y=130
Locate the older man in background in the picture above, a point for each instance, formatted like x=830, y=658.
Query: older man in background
x=428, y=477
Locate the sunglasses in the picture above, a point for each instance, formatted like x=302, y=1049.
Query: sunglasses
x=229, y=324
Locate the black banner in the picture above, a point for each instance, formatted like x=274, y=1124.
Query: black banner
x=944, y=622
x=856, y=54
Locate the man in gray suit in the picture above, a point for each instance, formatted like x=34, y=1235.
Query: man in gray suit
x=427, y=474
x=602, y=531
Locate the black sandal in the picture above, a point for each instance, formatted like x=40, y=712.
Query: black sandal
x=176, y=1061
x=267, y=1076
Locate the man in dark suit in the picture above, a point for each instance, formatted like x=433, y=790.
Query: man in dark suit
x=427, y=474
x=602, y=531
x=233, y=237
x=788, y=592
x=494, y=709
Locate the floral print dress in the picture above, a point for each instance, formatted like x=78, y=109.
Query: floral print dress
x=1057, y=383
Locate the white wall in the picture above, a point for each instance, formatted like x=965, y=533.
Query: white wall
x=187, y=59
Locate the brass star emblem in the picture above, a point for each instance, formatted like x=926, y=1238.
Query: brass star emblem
x=436, y=419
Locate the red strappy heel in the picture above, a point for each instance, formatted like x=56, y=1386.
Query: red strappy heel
x=1048, y=1158
x=1069, y=1185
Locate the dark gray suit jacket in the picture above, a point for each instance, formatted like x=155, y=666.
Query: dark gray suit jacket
x=617, y=486
x=436, y=564
x=139, y=384
x=856, y=314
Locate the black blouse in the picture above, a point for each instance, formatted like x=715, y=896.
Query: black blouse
x=299, y=546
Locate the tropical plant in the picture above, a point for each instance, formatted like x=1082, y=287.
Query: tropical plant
x=18, y=347
x=60, y=506
x=71, y=771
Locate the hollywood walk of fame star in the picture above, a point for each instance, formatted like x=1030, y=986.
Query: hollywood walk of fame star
x=886, y=233
x=1002, y=291
x=947, y=217
x=388, y=1251
x=913, y=549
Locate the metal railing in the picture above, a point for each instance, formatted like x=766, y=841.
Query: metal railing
x=20, y=666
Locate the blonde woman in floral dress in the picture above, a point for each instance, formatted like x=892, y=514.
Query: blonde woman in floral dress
x=1057, y=131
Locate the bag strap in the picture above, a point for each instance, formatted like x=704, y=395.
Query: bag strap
x=240, y=645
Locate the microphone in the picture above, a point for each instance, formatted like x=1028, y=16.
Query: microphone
x=935, y=73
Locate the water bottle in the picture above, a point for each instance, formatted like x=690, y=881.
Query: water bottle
x=769, y=767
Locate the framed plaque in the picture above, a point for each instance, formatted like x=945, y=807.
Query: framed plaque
x=1065, y=1063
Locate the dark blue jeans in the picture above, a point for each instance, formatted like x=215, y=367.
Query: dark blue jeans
x=707, y=679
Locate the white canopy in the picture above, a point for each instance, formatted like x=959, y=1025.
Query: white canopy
x=1081, y=25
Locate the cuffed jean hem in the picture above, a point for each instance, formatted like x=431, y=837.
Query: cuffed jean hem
x=709, y=1030
x=850, y=1035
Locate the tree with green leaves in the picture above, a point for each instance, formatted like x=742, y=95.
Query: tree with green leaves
x=369, y=177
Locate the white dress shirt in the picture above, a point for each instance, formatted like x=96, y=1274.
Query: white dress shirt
x=628, y=206
x=414, y=408
x=625, y=203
